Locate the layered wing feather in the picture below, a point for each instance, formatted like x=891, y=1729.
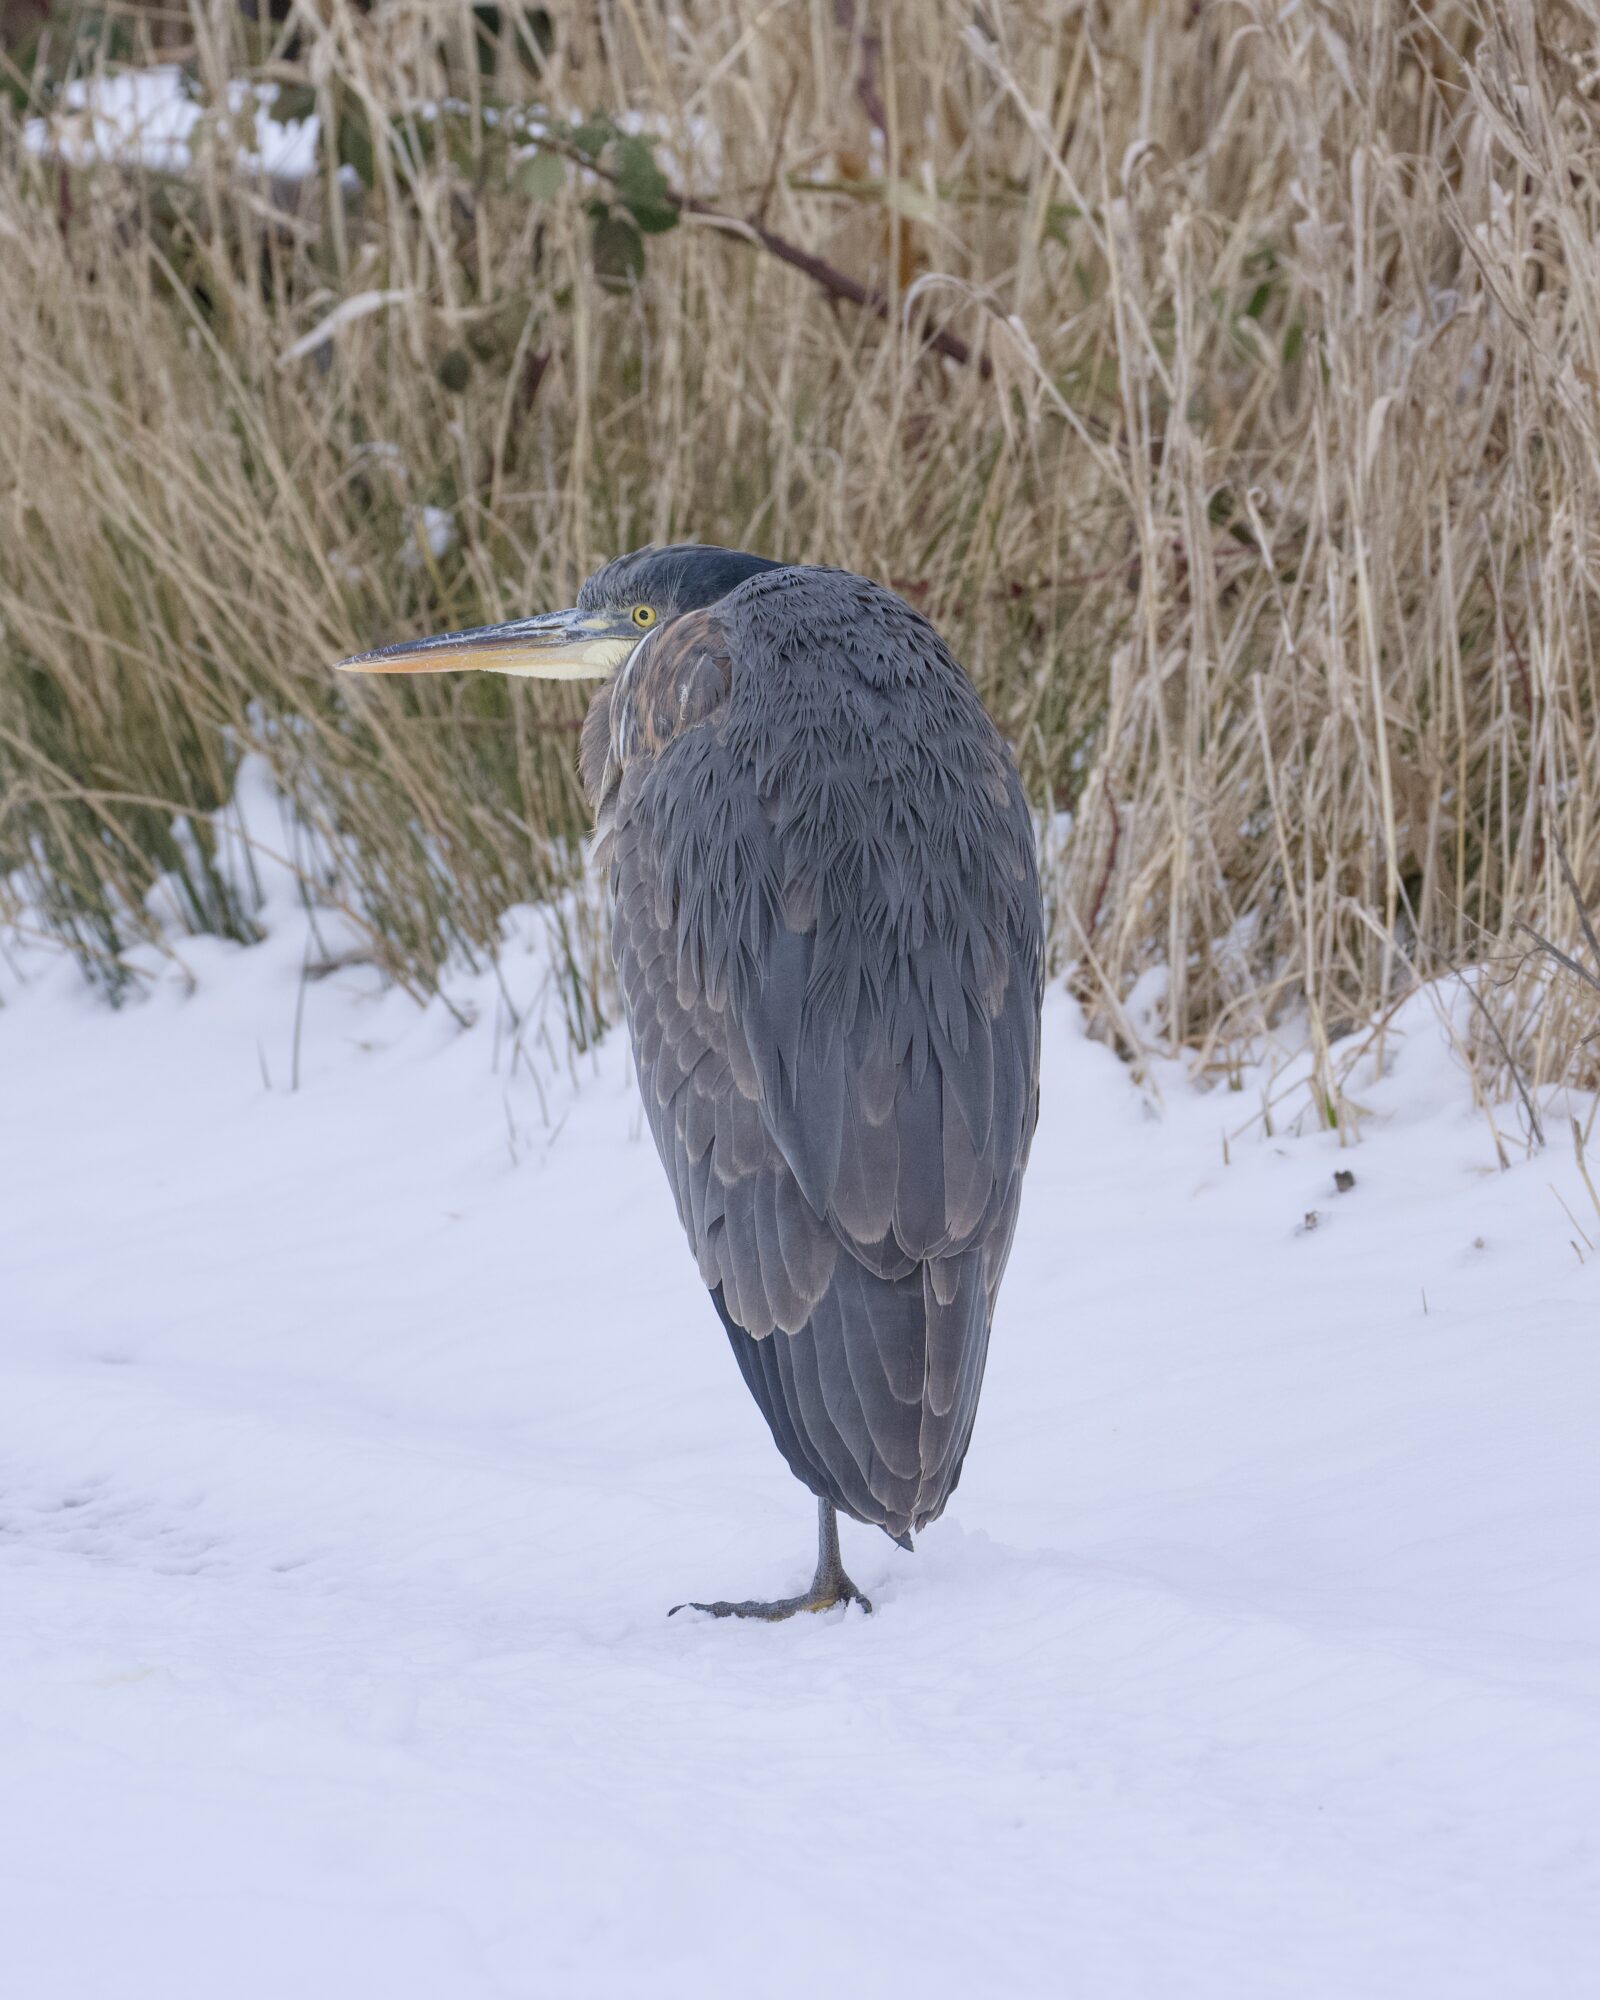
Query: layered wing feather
x=827, y=927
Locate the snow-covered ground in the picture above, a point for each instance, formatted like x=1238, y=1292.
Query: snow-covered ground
x=355, y=1438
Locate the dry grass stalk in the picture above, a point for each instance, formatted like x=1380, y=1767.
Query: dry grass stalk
x=1268, y=527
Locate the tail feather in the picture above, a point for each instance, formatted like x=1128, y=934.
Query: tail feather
x=872, y=1401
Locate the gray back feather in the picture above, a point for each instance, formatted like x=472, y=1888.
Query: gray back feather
x=828, y=930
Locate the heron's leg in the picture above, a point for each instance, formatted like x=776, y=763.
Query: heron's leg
x=830, y=1585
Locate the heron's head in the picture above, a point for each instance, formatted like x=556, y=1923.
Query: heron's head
x=618, y=607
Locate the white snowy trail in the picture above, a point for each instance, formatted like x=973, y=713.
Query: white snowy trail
x=355, y=1439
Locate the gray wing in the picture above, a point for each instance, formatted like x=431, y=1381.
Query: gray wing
x=827, y=929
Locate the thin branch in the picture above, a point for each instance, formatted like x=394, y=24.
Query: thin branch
x=1505, y=1052
x=870, y=42
x=1572, y=888
x=1111, y=858
x=1543, y=944
x=836, y=283
x=1471, y=988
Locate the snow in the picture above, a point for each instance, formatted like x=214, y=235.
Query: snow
x=356, y=1437
x=149, y=117
x=152, y=117
x=433, y=529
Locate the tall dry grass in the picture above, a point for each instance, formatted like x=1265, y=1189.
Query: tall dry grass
x=1265, y=515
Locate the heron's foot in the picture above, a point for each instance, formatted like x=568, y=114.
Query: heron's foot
x=823, y=1595
x=830, y=1585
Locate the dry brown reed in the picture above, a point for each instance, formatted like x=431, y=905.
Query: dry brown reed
x=1267, y=523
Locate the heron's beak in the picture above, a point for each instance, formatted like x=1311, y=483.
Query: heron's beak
x=562, y=646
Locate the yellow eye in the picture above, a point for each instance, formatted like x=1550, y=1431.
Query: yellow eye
x=644, y=616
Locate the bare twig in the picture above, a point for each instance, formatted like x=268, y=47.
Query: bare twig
x=1111, y=860
x=870, y=43
x=836, y=283
x=1572, y=888
x=1543, y=944
x=1506, y=1056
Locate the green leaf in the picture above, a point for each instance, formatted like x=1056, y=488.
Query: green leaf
x=293, y=102
x=539, y=176
x=355, y=146
x=642, y=186
x=592, y=138
x=616, y=247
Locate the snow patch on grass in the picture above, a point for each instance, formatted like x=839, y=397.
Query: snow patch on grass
x=151, y=118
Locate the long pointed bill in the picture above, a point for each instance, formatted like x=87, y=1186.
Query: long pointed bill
x=564, y=646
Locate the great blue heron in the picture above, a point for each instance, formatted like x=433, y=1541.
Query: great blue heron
x=827, y=928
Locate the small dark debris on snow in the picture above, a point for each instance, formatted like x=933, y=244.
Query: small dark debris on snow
x=1310, y=1223
x=1343, y=1180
